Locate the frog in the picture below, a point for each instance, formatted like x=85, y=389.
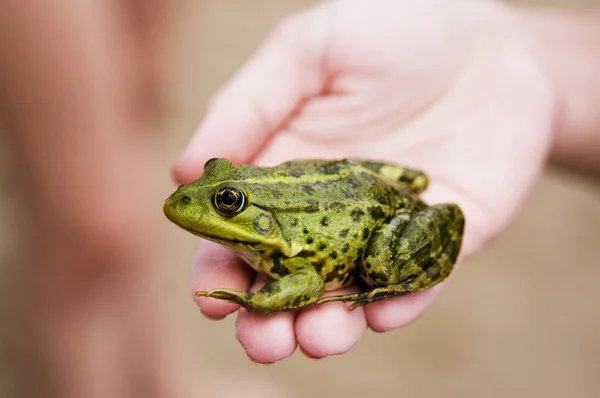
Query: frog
x=319, y=225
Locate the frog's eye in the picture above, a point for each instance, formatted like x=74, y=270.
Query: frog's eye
x=229, y=201
x=208, y=162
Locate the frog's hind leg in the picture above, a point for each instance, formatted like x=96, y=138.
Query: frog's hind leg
x=409, y=254
x=415, y=179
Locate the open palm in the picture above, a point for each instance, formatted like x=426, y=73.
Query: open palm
x=448, y=87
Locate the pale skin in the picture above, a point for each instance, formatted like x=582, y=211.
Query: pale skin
x=481, y=113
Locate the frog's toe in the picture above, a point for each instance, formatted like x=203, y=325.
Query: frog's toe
x=230, y=295
x=357, y=303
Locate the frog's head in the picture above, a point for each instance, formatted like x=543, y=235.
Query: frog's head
x=219, y=207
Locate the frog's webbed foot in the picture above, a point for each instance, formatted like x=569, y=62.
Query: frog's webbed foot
x=368, y=297
x=344, y=298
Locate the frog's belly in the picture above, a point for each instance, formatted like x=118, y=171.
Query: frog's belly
x=336, y=273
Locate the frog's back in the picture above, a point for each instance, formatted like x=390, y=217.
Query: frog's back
x=300, y=184
x=326, y=209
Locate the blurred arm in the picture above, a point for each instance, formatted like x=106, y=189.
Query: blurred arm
x=68, y=81
x=568, y=43
x=70, y=87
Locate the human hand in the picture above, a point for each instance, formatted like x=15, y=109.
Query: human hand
x=448, y=87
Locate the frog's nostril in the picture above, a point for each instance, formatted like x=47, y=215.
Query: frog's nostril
x=186, y=199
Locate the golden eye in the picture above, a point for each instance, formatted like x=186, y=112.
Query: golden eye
x=229, y=201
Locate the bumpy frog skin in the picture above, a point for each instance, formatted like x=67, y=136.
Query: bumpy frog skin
x=318, y=225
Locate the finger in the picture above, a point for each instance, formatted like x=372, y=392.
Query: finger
x=386, y=315
x=284, y=71
x=216, y=267
x=266, y=338
x=330, y=329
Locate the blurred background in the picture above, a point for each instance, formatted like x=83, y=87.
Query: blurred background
x=520, y=320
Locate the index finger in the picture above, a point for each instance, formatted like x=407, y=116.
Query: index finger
x=254, y=104
x=216, y=267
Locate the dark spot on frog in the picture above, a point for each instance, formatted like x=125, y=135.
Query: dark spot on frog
x=367, y=265
x=263, y=223
x=345, y=248
x=305, y=230
x=300, y=300
x=271, y=288
x=366, y=233
x=379, y=277
x=330, y=168
x=276, y=193
x=333, y=255
x=376, y=213
x=354, y=183
x=367, y=177
x=322, y=247
x=333, y=274
x=294, y=222
x=318, y=266
x=296, y=173
x=309, y=240
x=357, y=214
x=336, y=205
x=349, y=194
x=325, y=221
x=308, y=253
x=278, y=268
x=381, y=198
x=344, y=233
x=313, y=206
x=307, y=189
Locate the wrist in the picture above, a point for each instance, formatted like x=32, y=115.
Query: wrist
x=567, y=44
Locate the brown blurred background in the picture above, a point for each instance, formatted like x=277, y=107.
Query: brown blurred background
x=520, y=320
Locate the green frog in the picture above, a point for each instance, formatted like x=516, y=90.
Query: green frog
x=318, y=225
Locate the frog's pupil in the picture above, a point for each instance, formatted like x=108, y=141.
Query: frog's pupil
x=229, y=201
x=229, y=198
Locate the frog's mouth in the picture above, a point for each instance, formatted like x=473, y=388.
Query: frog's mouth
x=224, y=241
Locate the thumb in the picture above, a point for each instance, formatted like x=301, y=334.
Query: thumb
x=286, y=70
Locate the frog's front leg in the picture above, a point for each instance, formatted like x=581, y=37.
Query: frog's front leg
x=302, y=286
x=409, y=254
